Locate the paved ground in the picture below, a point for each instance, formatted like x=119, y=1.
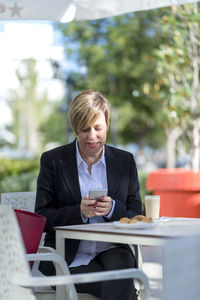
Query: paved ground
x=152, y=267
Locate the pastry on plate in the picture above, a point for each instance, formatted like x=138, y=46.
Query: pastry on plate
x=135, y=219
x=125, y=220
x=142, y=218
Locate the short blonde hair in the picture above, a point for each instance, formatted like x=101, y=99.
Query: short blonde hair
x=85, y=109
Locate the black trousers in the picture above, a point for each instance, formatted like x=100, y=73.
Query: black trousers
x=112, y=259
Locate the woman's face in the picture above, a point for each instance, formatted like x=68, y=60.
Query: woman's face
x=92, y=139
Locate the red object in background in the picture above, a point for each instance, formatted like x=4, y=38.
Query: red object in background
x=32, y=227
x=179, y=191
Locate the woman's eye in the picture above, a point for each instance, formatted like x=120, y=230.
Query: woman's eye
x=98, y=128
x=85, y=130
x=88, y=129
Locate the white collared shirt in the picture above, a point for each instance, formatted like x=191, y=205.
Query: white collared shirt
x=96, y=180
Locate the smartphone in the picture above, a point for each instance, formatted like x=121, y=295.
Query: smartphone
x=98, y=193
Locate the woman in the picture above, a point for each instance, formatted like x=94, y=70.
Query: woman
x=66, y=176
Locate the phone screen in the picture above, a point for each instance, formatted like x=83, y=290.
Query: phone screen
x=98, y=194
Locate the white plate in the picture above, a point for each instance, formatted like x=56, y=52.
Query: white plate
x=138, y=225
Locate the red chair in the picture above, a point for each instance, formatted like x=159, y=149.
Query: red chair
x=32, y=227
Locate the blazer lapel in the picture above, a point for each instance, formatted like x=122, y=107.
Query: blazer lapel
x=68, y=165
x=70, y=173
x=114, y=165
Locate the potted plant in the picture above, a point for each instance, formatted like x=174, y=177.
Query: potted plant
x=178, y=91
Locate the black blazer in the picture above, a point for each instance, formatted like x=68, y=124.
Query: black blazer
x=58, y=193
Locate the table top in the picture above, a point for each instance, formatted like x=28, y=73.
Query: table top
x=166, y=228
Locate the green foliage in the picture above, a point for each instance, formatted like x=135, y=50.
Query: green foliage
x=24, y=182
x=18, y=175
x=117, y=54
x=177, y=88
x=178, y=59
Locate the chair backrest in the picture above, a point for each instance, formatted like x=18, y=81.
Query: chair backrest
x=19, y=200
x=181, y=269
x=32, y=227
x=23, y=201
x=12, y=257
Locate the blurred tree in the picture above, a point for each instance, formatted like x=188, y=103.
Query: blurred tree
x=177, y=87
x=115, y=57
x=29, y=108
x=53, y=129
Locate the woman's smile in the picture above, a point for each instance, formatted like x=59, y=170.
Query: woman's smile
x=93, y=145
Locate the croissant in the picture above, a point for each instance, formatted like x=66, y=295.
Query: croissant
x=135, y=219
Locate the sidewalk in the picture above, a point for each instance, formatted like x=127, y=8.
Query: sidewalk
x=151, y=256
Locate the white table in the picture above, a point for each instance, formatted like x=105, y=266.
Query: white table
x=167, y=228
x=106, y=232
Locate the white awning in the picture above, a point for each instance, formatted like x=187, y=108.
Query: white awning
x=95, y=9
x=67, y=10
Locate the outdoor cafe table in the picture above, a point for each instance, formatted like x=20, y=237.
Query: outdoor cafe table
x=166, y=229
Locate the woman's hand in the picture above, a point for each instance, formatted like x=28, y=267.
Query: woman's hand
x=87, y=207
x=104, y=206
x=92, y=207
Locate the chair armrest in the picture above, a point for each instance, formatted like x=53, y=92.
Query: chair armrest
x=57, y=260
x=45, y=249
x=53, y=257
x=83, y=278
x=41, y=249
x=138, y=275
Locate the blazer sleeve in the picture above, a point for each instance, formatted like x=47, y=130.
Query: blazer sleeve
x=53, y=200
x=127, y=199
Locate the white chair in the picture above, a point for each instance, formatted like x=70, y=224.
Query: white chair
x=19, y=200
x=181, y=269
x=26, y=201
x=15, y=277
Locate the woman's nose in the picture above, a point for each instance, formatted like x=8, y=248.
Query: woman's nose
x=92, y=133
